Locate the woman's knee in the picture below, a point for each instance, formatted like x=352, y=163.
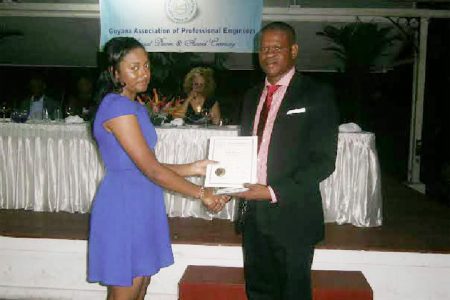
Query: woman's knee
x=126, y=292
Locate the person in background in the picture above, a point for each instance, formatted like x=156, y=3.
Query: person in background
x=81, y=101
x=129, y=237
x=281, y=217
x=199, y=86
x=38, y=104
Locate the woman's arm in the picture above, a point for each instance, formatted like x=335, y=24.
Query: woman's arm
x=196, y=168
x=127, y=131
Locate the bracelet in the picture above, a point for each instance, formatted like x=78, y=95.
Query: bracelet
x=201, y=193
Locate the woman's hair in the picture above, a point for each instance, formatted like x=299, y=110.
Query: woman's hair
x=113, y=53
x=207, y=74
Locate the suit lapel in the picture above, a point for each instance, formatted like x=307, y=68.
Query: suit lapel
x=293, y=97
x=251, y=109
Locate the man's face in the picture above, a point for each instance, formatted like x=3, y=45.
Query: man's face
x=276, y=54
x=37, y=87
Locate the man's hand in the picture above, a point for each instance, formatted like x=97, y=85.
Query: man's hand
x=255, y=192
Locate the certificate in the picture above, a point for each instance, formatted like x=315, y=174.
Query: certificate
x=236, y=157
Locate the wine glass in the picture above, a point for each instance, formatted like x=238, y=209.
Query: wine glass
x=3, y=111
x=69, y=111
x=205, y=114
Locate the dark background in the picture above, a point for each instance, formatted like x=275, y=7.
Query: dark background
x=385, y=108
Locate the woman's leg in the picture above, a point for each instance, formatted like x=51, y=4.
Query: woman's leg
x=126, y=292
x=144, y=286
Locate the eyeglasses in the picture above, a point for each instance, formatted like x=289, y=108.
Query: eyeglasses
x=274, y=49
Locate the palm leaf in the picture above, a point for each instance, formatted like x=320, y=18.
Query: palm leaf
x=358, y=45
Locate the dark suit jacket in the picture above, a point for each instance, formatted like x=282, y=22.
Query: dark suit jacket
x=49, y=103
x=302, y=153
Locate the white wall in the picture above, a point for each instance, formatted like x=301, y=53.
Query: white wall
x=56, y=269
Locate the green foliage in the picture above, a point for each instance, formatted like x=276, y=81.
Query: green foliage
x=168, y=70
x=358, y=45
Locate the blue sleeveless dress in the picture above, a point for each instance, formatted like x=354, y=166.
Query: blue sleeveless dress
x=129, y=232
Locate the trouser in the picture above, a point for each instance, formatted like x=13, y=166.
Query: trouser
x=275, y=270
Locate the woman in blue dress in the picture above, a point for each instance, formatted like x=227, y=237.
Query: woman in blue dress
x=129, y=234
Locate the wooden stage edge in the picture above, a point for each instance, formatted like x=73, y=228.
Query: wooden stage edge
x=412, y=223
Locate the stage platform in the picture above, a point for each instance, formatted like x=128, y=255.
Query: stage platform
x=43, y=255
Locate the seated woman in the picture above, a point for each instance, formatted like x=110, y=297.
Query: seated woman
x=199, y=105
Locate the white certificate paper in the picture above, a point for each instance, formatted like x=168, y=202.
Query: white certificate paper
x=236, y=157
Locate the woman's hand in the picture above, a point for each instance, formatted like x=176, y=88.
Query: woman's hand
x=198, y=168
x=214, y=203
x=192, y=95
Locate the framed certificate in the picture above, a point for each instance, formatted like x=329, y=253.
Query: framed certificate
x=237, y=159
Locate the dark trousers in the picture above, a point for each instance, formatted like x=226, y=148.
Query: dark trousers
x=275, y=270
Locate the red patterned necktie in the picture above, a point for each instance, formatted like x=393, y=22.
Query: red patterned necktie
x=271, y=89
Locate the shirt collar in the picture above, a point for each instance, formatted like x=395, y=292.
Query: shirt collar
x=35, y=99
x=285, y=79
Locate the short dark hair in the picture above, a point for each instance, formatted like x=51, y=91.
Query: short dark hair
x=117, y=48
x=281, y=26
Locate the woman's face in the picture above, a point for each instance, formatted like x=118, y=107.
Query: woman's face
x=198, y=83
x=134, y=72
x=84, y=86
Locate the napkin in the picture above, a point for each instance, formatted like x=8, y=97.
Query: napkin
x=73, y=120
x=349, y=127
x=177, y=122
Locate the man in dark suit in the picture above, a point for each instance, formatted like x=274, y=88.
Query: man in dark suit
x=282, y=217
x=37, y=104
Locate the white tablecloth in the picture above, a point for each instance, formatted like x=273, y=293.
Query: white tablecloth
x=48, y=167
x=183, y=145
x=352, y=194
x=56, y=167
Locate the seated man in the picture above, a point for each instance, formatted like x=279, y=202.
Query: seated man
x=37, y=103
x=80, y=101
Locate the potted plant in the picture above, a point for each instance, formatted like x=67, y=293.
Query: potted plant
x=358, y=47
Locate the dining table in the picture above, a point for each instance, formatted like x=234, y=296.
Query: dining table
x=55, y=166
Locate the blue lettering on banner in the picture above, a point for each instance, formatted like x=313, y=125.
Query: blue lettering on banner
x=119, y=31
x=195, y=43
x=217, y=43
x=235, y=31
x=161, y=42
x=195, y=30
x=151, y=30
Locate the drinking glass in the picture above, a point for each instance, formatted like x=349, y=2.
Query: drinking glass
x=69, y=111
x=205, y=113
x=58, y=114
x=4, y=109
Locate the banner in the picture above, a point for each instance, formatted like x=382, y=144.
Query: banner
x=183, y=25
